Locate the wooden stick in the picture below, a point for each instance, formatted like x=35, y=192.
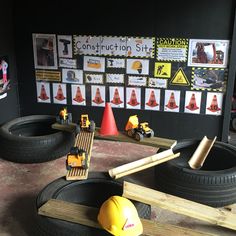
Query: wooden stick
x=142, y=164
x=88, y=216
x=200, y=154
x=180, y=205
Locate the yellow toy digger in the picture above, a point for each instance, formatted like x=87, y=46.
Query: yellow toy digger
x=86, y=124
x=138, y=130
x=77, y=158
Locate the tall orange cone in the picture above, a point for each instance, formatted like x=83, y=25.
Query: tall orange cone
x=214, y=105
x=43, y=93
x=60, y=96
x=116, y=97
x=192, y=106
x=133, y=99
x=98, y=98
x=152, y=100
x=172, y=104
x=78, y=97
x=108, y=126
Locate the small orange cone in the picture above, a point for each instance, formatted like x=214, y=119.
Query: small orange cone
x=78, y=97
x=108, y=126
x=192, y=106
x=152, y=100
x=172, y=104
x=60, y=95
x=214, y=105
x=43, y=93
x=116, y=98
x=133, y=99
x=98, y=98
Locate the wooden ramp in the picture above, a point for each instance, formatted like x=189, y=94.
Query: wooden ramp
x=84, y=140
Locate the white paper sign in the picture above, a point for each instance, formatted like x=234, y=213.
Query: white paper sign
x=115, y=63
x=157, y=83
x=94, y=78
x=192, y=102
x=87, y=45
x=116, y=96
x=140, y=47
x=133, y=98
x=98, y=95
x=137, y=81
x=214, y=104
x=64, y=43
x=152, y=99
x=94, y=64
x=172, y=100
x=59, y=93
x=72, y=76
x=68, y=63
x=43, y=92
x=137, y=66
x=78, y=95
x=115, y=78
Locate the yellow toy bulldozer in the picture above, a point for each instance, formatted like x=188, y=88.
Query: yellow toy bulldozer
x=138, y=130
x=77, y=158
x=86, y=124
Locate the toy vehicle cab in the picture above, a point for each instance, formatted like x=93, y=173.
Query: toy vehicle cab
x=86, y=124
x=77, y=158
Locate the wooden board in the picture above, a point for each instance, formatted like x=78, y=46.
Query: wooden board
x=142, y=164
x=153, y=142
x=180, y=205
x=88, y=216
x=71, y=127
x=84, y=140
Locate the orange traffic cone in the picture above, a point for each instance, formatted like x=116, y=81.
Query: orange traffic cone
x=192, y=106
x=108, y=126
x=78, y=97
x=43, y=93
x=152, y=100
x=116, y=98
x=133, y=99
x=172, y=104
x=60, y=95
x=98, y=98
x=214, y=105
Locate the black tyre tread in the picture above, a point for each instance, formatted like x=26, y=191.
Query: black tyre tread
x=33, y=149
x=215, y=188
x=47, y=226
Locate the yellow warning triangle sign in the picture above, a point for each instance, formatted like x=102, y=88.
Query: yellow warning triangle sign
x=180, y=78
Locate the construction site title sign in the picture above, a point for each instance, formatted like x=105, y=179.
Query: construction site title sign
x=114, y=46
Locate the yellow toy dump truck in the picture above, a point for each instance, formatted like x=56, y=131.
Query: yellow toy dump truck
x=77, y=158
x=64, y=117
x=138, y=130
x=86, y=124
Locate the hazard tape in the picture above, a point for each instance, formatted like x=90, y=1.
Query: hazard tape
x=48, y=75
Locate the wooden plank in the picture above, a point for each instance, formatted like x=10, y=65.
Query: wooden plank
x=142, y=164
x=85, y=215
x=231, y=208
x=180, y=205
x=84, y=140
x=153, y=142
x=199, y=156
x=71, y=127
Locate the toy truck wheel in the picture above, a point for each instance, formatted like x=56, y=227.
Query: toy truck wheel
x=152, y=134
x=130, y=133
x=69, y=119
x=74, y=150
x=77, y=129
x=138, y=136
x=92, y=126
x=68, y=167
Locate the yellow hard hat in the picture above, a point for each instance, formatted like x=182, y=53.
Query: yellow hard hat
x=119, y=217
x=136, y=65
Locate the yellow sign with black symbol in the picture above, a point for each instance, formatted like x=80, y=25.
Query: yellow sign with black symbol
x=180, y=78
x=162, y=70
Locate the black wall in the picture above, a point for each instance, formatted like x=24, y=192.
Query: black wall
x=204, y=19
x=9, y=105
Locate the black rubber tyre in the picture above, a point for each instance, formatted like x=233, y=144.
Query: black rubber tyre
x=214, y=184
x=92, y=126
x=91, y=192
x=31, y=139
